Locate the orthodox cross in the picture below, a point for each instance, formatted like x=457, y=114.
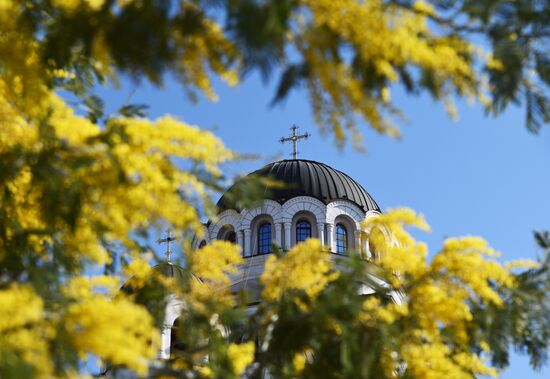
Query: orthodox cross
x=167, y=240
x=294, y=139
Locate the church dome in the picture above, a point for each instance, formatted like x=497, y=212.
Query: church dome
x=302, y=177
x=171, y=270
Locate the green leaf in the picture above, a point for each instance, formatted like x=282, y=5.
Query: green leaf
x=133, y=110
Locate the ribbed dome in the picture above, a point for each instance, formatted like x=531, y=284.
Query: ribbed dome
x=171, y=270
x=303, y=178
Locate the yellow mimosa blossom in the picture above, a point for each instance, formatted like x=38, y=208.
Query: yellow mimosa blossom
x=24, y=332
x=423, y=7
x=123, y=175
x=81, y=287
x=138, y=271
x=215, y=261
x=212, y=267
x=521, y=264
x=438, y=295
x=240, y=355
x=307, y=266
x=434, y=361
x=299, y=362
x=394, y=249
x=385, y=37
x=72, y=5
x=116, y=330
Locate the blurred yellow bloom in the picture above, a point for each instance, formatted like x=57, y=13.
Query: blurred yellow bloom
x=521, y=264
x=438, y=295
x=215, y=261
x=24, y=333
x=299, y=362
x=307, y=266
x=388, y=38
x=82, y=287
x=72, y=5
x=423, y=7
x=240, y=355
x=138, y=271
x=116, y=330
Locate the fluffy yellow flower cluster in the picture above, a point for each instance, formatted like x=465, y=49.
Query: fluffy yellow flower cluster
x=393, y=247
x=387, y=39
x=118, y=173
x=73, y=188
x=215, y=261
x=240, y=355
x=213, y=266
x=100, y=320
x=138, y=272
x=437, y=295
x=81, y=287
x=72, y=5
x=200, y=53
x=24, y=333
x=139, y=151
x=307, y=266
x=117, y=330
x=434, y=361
x=463, y=259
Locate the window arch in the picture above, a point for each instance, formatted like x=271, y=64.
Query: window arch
x=341, y=239
x=227, y=233
x=303, y=230
x=264, y=238
x=175, y=342
x=230, y=236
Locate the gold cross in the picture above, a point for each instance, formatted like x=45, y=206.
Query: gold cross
x=294, y=139
x=168, y=239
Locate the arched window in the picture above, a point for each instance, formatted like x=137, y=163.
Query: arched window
x=231, y=236
x=341, y=239
x=303, y=230
x=264, y=238
x=175, y=344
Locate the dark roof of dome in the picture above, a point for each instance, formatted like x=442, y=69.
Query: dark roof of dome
x=305, y=178
x=170, y=270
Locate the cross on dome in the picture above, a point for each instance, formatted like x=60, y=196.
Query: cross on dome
x=167, y=240
x=294, y=139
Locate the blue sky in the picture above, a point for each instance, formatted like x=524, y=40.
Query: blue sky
x=477, y=176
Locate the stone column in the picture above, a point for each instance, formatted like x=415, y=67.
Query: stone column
x=278, y=235
x=247, y=242
x=321, y=232
x=358, y=249
x=240, y=240
x=287, y=235
x=164, y=352
x=330, y=238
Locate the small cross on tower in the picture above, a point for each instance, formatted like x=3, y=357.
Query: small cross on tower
x=294, y=139
x=167, y=240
